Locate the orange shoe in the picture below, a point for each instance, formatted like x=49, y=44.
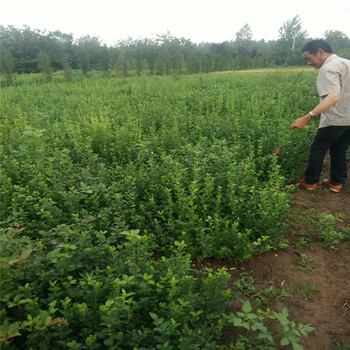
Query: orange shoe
x=306, y=186
x=333, y=188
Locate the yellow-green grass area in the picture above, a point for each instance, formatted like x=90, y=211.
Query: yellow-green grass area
x=284, y=70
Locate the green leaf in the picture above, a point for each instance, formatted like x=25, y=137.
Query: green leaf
x=284, y=341
x=247, y=307
x=237, y=322
x=294, y=338
x=269, y=337
x=26, y=254
x=297, y=346
x=48, y=320
x=23, y=146
x=29, y=132
x=246, y=325
x=13, y=261
x=308, y=329
x=252, y=317
x=154, y=316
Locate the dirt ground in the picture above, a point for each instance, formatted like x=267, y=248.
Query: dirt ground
x=328, y=308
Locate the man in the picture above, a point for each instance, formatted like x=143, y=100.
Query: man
x=333, y=85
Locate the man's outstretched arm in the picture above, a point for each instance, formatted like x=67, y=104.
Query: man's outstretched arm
x=329, y=101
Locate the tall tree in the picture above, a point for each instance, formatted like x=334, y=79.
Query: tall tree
x=243, y=48
x=139, y=60
x=291, y=33
x=122, y=66
x=67, y=68
x=7, y=64
x=88, y=51
x=44, y=64
x=337, y=39
x=163, y=62
x=245, y=34
x=57, y=44
x=104, y=59
x=23, y=45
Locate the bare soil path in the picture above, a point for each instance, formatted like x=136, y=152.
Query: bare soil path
x=328, y=270
x=328, y=309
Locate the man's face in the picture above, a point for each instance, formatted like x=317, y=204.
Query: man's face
x=314, y=60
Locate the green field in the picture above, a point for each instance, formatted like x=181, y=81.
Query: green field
x=109, y=187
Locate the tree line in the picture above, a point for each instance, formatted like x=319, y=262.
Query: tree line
x=27, y=50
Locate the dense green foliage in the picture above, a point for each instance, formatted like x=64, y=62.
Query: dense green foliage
x=193, y=163
x=185, y=159
x=79, y=289
x=23, y=50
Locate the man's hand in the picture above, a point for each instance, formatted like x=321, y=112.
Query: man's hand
x=301, y=122
x=328, y=101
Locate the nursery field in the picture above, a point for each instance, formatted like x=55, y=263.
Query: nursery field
x=189, y=159
x=112, y=188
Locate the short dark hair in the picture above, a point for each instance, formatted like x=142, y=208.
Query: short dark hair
x=314, y=45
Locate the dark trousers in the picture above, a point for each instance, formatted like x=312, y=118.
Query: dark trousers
x=337, y=140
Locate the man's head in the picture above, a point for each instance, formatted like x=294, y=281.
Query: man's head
x=316, y=52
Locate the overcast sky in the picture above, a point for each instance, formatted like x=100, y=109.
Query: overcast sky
x=197, y=20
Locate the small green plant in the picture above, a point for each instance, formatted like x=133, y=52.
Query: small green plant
x=246, y=285
x=292, y=333
x=307, y=291
x=342, y=346
x=304, y=258
x=302, y=242
x=302, y=261
x=327, y=231
x=251, y=321
x=345, y=230
x=306, y=269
